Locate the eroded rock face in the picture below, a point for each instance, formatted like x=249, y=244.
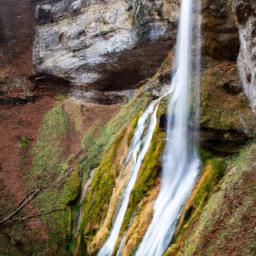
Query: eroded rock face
x=245, y=11
x=227, y=122
x=220, y=34
x=104, y=44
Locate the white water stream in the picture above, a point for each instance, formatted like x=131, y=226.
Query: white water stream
x=137, y=151
x=181, y=163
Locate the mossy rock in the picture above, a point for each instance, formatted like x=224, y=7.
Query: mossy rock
x=227, y=122
x=220, y=108
x=210, y=228
x=71, y=189
x=211, y=174
x=148, y=174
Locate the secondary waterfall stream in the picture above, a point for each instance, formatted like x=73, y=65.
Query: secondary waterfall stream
x=137, y=151
x=181, y=163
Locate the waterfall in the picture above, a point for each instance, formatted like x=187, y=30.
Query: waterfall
x=137, y=151
x=181, y=163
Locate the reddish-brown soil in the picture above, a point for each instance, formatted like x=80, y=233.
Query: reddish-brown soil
x=23, y=121
x=233, y=236
x=17, y=122
x=16, y=37
x=20, y=121
x=89, y=114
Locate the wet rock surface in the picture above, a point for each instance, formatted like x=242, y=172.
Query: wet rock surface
x=220, y=34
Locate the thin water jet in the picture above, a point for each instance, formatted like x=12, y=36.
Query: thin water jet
x=137, y=151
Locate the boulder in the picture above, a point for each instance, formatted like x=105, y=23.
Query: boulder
x=104, y=45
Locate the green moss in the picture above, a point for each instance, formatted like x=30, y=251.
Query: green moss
x=205, y=155
x=60, y=198
x=49, y=146
x=216, y=169
x=98, y=197
x=99, y=139
x=71, y=188
x=147, y=176
x=217, y=206
x=23, y=143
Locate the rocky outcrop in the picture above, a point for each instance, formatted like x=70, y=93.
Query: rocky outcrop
x=15, y=90
x=108, y=45
x=246, y=18
x=220, y=35
x=227, y=122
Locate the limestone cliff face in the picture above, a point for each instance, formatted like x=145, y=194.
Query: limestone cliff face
x=107, y=44
x=245, y=13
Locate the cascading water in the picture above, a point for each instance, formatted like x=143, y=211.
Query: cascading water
x=181, y=163
x=137, y=151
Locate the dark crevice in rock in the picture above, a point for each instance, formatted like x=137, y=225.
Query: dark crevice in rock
x=102, y=98
x=243, y=11
x=133, y=66
x=233, y=88
x=47, y=78
x=17, y=101
x=223, y=143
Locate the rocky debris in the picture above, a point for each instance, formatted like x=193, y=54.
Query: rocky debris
x=246, y=18
x=108, y=45
x=103, y=98
x=17, y=90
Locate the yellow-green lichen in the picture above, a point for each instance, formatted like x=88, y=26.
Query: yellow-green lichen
x=99, y=139
x=49, y=147
x=149, y=171
x=99, y=194
x=211, y=174
x=217, y=208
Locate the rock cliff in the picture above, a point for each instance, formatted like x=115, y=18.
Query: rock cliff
x=120, y=54
x=245, y=15
x=108, y=45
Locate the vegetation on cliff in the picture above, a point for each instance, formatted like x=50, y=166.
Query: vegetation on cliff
x=219, y=217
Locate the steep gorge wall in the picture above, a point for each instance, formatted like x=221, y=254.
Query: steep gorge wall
x=68, y=37
x=109, y=45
